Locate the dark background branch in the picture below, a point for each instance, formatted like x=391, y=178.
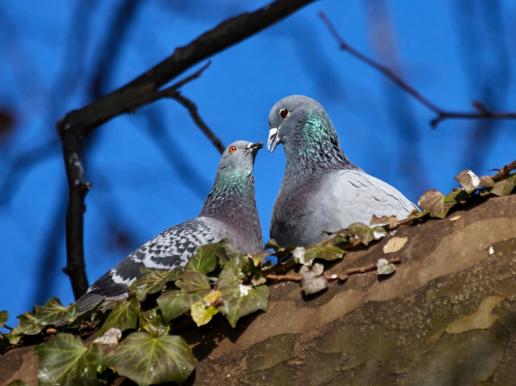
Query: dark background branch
x=441, y=114
x=135, y=93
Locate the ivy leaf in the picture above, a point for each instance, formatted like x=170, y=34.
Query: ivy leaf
x=364, y=233
x=468, y=180
x=29, y=325
x=206, y=257
x=259, y=257
x=53, y=312
x=3, y=318
x=152, y=322
x=193, y=287
x=152, y=281
x=123, y=317
x=231, y=274
x=435, y=203
x=240, y=300
x=191, y=282
x=66, y=360
x=175, y=303
x=504, y=187
x=201, y=313
x=391, y=221
x=146, y=359
x=324, y=251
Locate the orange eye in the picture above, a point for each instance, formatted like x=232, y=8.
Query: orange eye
x=283, y=113
x=232, y=149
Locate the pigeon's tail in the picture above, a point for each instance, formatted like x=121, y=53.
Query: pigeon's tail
x=112, y=286
x=85, y=303
x=88, y=302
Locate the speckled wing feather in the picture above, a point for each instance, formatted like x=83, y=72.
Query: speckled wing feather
x=169, y=250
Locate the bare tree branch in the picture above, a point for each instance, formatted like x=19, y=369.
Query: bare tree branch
x=192, y=109
x=441, y=114
x=110, y=48
x=77, y=124
x=137, y=92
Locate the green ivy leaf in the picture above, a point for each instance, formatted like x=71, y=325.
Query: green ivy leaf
x=29, y=325
x=191, y=282
x=240, y=300
x=361, y=232
x=123, y=317
x=3, y=318
x=146, y=359
x=193, y=287
x=152, y=322
x=175, y=303
x=324, y=251
x=53, y=312
x=152, y=281
x=66, y=360
x=504, y=187
x=202, y=314
x=206, y=257
x=231, y=274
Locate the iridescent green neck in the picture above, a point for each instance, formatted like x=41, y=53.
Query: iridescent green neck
x=231, y=187
x=315, y=147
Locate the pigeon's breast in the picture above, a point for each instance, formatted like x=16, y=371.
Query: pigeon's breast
x=292, y=215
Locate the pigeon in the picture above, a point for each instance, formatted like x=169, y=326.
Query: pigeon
x=229, y=212
x=322, y=190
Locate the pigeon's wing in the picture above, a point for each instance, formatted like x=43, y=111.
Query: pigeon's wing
x=349, y=196
x=167, y=251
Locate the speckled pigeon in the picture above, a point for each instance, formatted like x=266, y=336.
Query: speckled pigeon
x=322, y=190
x=228, y=213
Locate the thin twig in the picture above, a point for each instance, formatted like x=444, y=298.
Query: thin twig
x=285, y=277
x=441, y=114
x=192, y=109
x=504, y=172
x=331, y=275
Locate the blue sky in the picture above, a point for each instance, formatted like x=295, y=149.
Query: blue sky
x=444, y=49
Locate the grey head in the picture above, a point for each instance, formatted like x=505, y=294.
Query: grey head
x=308, y=136
x=232, y=197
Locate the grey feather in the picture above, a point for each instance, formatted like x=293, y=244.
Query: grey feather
x=228, y=213
x=322, y=190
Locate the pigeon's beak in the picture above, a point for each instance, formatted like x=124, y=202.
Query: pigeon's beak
x=254, y=147
x=273, y=139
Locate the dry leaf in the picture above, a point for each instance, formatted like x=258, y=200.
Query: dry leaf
x=395, y=244
x=468, y=180
x=390, y=221
x=384, y=268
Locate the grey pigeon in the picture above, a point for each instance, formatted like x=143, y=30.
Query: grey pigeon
x=322, y=190
x=228, y=213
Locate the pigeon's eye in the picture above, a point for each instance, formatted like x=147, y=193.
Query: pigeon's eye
x=232, y=149
x=283, y=113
